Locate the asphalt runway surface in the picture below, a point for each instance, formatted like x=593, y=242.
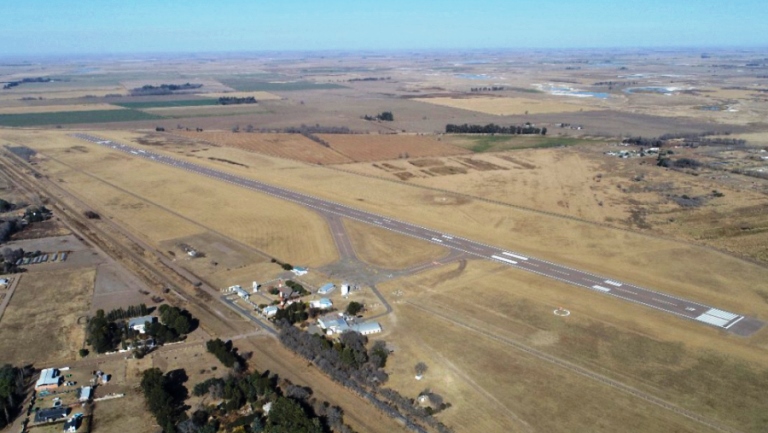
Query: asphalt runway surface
x=731, y=322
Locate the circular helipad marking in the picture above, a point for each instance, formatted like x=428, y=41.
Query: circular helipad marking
x=562, y=312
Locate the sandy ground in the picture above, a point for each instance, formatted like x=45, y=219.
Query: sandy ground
x=206, y=110
x=375, y=147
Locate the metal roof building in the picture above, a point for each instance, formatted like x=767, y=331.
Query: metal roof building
x=49, y=378
x=322, y=304
x=327, y=288
x=366, y=328
x=139, y=323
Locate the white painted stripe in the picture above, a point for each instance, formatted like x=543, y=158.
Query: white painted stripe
x=737, y=321
x=601, y=288
x=613, y=283
x=448, y=237
x=712, y=320
x=504, y=260
x=515, y=256
x=437, y=240
x=721, y=314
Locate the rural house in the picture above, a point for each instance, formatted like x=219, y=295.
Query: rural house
x=50, y=378
x=326, y=289
x=321, y=304
x=50, y=414
x=139, y=323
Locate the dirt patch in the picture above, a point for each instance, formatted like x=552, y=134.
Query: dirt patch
x=518, y=161
x=426, y=162
x=479, y=164
x=446, y=170
x=404, y=175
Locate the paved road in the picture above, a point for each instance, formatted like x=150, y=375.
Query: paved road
x=732, y=322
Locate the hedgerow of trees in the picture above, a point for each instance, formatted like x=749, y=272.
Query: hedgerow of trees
x=231, y=100
x=164, y=395
x=163, y=89
x=107, y=331
x=11, y=393
x=225, y=353
x=492, y=128
x=385, y=116
x=9, y=258
x=360, y=369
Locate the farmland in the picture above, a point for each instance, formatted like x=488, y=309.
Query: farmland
x=35, y=109
x=165, y=104
x=252, y=85
x=382, y=147
x=57, y=299
x=508, y=106
x=289, y=146
x=74, y=117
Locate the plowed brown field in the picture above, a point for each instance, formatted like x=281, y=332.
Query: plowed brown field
x=364, y=147
x=291, y=146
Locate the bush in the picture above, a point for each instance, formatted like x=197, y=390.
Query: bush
x=354, y=307
x=83, y=353
x=287, y=267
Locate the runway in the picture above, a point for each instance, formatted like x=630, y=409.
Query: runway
x=731, y=322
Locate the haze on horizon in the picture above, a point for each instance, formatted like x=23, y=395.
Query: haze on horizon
x=55, y=27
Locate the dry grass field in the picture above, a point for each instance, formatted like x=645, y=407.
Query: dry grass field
x=291, y=146
x=510, y=106
x=61, y=93
x=440, y=319
x=251, y=218
x=260, y=96
x=56, y=300
x=681, y=269
x=206, y=111
x=389, y=250
x=381, y=147
x=57, y=108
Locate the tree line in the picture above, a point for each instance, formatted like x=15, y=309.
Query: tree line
x=491, y=128
x=487, y=89
x=385, y=116
x=293, y=409
x=226, y=353
x=27, y=80
x=106, y=335
x=360, y=369
x=231, y=100
x=163, y=89
x=11, y=392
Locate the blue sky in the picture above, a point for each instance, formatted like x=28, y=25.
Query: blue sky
x=34, y=27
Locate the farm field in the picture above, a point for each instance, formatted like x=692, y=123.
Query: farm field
x=259, y=95
x=503, y=106
x=497, y=143
x=56, y=299
x=290, y=146
x=389, y=250
x=373, y=147
x=143, y=105
x=207, y=110
x=34, y=109
x=74, y=117
x=246, y=84
x=693, y=366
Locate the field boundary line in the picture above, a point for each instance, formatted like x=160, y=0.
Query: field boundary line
x=582, y=371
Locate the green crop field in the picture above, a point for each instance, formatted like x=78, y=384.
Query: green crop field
x=252, y=85
x=166, y=104
x=73, y=117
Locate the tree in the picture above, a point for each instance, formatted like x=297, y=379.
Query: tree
x=83, y=352
x=420, y=369
x=354, y=307
x=287, y=416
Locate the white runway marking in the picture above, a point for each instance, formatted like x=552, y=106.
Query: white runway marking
x=504, y=259
x=515, y=256
x=601, y=288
